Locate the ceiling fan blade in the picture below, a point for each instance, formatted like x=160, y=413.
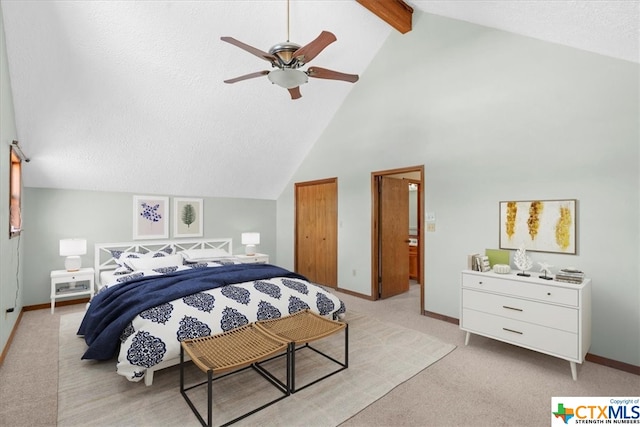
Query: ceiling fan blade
x=295, y=92
x=255, y=51
x=247, y=76
x=323, y=73
x=306, y=53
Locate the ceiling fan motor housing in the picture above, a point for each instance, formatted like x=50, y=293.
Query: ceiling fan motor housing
x=284, y=53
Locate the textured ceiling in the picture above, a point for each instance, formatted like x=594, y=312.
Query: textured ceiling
x=129, y=96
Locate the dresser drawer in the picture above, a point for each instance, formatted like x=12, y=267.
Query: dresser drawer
x=553, y=316
x=545, y=293
x=535, y=337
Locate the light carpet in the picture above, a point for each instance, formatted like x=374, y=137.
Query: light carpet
x=381, y=356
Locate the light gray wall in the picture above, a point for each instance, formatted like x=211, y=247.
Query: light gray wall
x=10, y=249
x=107, y=217
x=493, y=116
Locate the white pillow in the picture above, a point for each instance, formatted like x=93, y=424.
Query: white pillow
x=149, y=263
x=120, y=258
x=201, y=255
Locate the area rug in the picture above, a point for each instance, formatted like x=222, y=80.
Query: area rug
x=381, y=356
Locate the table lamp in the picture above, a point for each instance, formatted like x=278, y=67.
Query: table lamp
x=72, y=249
x=250, y=240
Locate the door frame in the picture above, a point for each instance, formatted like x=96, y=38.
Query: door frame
x=375, y=202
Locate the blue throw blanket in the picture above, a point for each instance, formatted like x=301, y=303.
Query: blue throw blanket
x=113, y=309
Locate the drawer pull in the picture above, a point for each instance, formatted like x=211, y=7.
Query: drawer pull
x=511, y=330
x=511, y=308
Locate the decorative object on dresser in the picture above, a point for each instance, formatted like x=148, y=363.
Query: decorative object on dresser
x=480, y=263
x=539, y=225
x=544, y=269
x=548, y=317
x=484, y=263
x=501, y=269
x=498, y=256
x=522, y=261
x=570, y=275
x=471, y=261
x=250, y=240
x=72, y=249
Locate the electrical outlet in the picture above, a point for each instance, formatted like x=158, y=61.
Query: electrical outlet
x=431, y=227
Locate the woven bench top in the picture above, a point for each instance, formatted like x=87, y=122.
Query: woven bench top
x=301, y=327
x=233, y=349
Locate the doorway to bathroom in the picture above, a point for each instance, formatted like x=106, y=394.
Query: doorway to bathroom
x=397, y=235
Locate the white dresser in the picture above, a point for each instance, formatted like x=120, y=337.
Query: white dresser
x=543, y=315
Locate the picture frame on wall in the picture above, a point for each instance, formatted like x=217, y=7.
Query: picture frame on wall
x=539, y=225
x=150, y=217
x=187, y=217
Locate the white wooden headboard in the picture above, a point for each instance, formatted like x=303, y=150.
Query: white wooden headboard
x=104, y=260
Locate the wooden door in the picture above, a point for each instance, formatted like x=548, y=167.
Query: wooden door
x=394, y=236
x=316, y=231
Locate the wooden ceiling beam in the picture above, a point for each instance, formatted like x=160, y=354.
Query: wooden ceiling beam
x=394, y=12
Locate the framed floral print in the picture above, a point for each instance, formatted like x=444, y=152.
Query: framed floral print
x=150, y=217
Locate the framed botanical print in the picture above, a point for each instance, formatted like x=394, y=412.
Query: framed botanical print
x=187, y=217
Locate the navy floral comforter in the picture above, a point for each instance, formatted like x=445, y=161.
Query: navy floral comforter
x=144, y=318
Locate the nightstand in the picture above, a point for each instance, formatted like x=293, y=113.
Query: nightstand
x=65, y=284
x=253, y=259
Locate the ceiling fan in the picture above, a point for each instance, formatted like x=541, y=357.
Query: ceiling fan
x=286, y=60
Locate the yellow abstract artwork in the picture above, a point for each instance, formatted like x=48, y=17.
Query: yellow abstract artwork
x=539, y=225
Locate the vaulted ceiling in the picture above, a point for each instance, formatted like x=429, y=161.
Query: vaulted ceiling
x=129, y=96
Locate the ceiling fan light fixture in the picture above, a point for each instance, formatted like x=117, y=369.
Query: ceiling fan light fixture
x=288, y=78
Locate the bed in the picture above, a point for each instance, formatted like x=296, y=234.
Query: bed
x=152, y=295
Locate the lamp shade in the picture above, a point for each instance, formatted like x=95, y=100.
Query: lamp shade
x=72, y=249
x=250, y=240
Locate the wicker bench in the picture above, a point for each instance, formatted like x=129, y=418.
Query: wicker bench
x=230, y=352
x=300, y=329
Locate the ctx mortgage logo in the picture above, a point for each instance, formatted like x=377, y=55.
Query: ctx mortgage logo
x=594, y=410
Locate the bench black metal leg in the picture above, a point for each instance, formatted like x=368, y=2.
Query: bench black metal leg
x=346, y=346
x=209, y=397
x=343, y=365
x=284, y=388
